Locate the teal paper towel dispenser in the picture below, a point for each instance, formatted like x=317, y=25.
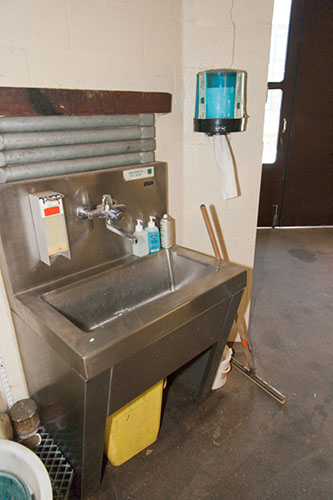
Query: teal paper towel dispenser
x=220, y=102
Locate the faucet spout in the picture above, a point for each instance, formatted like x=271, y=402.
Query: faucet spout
x=115, y=229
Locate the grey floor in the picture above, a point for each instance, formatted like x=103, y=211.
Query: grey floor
x=242, y=444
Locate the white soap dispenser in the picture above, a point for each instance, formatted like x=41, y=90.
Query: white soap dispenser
x=154, y=242
x=141, y=247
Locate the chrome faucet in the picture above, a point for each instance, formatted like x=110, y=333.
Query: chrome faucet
x=110, y=210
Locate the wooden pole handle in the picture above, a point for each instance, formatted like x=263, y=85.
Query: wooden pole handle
x=219, y=258
x=210, y=232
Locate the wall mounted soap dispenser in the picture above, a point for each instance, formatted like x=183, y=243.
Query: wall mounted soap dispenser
x=50, y=225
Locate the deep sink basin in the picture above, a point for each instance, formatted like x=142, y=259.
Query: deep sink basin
x=95, y=301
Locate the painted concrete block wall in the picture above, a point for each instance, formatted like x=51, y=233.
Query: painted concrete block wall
x=95, y=44
x=99, y=44
x=9, y=352
x=154, y=45
x=225, y=34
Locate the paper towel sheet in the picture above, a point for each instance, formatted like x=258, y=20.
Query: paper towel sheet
x=225, y=167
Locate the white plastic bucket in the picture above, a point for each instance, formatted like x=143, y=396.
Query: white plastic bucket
x=223, y=370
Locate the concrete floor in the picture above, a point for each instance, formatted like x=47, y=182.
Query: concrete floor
x=241, y=443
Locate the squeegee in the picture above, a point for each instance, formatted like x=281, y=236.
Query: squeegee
x=250, y=370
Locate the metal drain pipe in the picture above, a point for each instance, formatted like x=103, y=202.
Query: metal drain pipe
x=53, y=168
x=44, y=123
x=67, y=137
x=37, y=155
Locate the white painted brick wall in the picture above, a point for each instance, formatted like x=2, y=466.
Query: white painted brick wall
x=97, y=44
x=208, y=43
x=155, y=45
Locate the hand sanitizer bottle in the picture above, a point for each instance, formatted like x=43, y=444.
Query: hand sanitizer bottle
x=141, y=247
x=153, y=236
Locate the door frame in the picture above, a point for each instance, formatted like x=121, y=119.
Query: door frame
x=274, y=174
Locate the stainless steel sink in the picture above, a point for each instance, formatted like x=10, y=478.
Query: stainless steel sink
x=97, y=330
x=95, y=301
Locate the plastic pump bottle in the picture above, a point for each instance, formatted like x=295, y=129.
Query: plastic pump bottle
x=141, y=247
x=153, y=236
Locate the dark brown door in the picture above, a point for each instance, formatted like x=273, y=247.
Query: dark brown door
x=298, y=187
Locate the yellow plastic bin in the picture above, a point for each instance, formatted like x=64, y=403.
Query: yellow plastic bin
x=134, y=426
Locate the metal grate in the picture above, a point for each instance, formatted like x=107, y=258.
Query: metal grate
x=60, y=472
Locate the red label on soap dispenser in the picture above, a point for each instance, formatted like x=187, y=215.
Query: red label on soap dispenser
x=52, y=211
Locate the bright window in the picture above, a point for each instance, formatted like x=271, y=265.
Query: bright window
x=271, y=125
x=276, y=70
x=279, y=40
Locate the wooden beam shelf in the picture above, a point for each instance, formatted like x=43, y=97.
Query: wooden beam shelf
x=20, y=101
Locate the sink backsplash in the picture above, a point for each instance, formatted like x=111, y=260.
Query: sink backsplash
x=90, y=243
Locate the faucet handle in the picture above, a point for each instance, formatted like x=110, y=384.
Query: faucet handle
x=109, y=210
x=112, y=209
x=117, y=212
x=107, y=202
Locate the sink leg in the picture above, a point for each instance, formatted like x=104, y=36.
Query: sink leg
x=216, y=350
x=94, y=408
